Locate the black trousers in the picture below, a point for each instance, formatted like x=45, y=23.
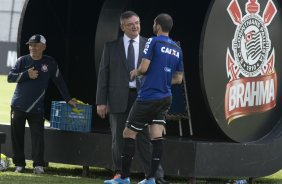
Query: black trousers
x=144, y=147
x=36, y=125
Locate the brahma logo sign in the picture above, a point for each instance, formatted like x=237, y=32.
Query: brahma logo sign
x=250, y=65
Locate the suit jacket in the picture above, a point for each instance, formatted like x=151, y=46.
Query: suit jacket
x=113, y=76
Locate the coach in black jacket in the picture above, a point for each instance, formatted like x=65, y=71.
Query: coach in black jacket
x=32, y=73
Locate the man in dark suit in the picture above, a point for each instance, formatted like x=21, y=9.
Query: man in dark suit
x=116, y=92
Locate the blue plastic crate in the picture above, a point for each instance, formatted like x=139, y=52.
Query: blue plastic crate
x=63, y=118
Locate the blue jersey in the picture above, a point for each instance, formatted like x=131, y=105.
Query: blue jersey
x=166, y=58
x=29, y=93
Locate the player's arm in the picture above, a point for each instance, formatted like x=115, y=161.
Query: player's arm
x=59, y=81
x=142, y=69
x=17, y=74
x=177, y=77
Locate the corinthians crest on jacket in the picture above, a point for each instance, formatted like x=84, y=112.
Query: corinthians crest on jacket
x=250, y=65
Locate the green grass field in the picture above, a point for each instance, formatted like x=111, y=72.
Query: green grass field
x=6, y=92
x=55, y=173
x=62, y=173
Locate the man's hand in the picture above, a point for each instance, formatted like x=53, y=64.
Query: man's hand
x=102, y=110
x=33, y=74
x=133, y=74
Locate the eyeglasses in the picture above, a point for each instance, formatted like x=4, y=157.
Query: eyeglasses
x=137, y=23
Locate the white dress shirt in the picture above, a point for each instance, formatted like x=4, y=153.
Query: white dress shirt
x=126, y=39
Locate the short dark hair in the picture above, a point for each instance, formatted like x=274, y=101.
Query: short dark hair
x=165, y=21
x=126, y=15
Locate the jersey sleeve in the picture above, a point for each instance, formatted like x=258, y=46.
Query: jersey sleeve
x=148, y=50
x=18, y=74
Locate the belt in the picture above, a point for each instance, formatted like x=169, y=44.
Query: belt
x=132, y=89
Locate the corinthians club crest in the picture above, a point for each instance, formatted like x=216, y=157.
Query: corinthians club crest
x=250, y=66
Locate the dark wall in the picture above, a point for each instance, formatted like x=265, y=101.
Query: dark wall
x=69, y=27
x=76, y=31
x=187, y=29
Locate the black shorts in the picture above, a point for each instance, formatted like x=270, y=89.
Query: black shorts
x=144, y=113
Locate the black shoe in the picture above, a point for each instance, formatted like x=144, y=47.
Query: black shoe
x=161, y=181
